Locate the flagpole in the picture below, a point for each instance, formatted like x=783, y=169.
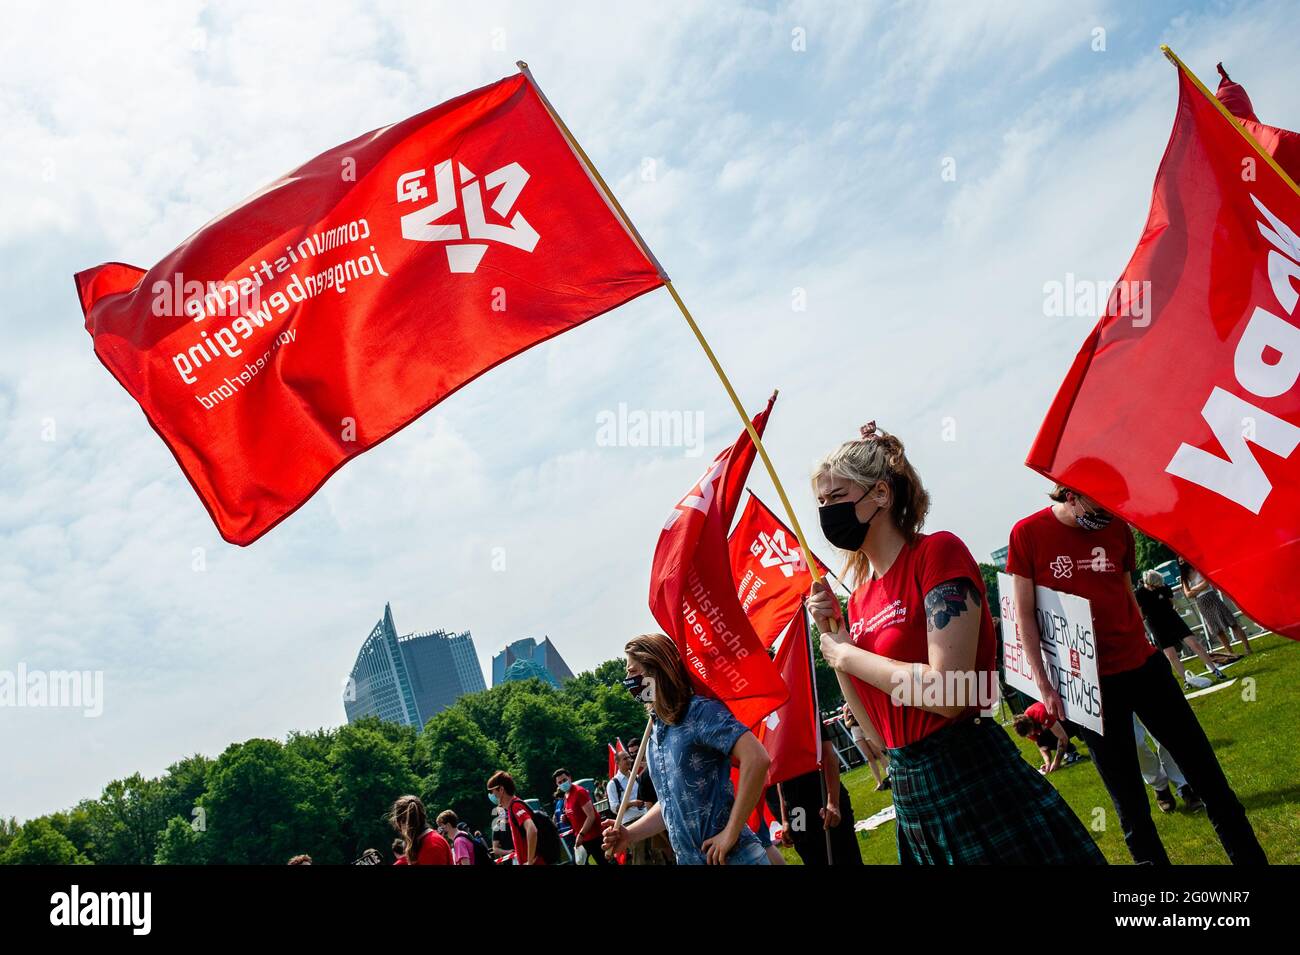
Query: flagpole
x=636, y=771
x=1172, y=57
x=713, y=360
x=817, y=717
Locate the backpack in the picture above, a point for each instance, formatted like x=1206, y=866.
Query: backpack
x=548, y=836
x=481, y=854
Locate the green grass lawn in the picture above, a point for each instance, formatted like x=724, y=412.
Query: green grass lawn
x=1255, y=739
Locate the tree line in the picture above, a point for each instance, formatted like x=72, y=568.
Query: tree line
x=327, y=792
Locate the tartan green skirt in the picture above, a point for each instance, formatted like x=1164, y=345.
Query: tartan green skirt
x=965, y=796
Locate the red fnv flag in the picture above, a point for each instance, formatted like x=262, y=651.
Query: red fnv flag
x=351, y=295
x=693, y=595
x=770, y=570
x=1182, y=412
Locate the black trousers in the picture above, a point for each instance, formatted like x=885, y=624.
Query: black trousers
x=1153, y=694
x=595, y=851
x=811, y=843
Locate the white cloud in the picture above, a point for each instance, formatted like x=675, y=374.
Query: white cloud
x=775, y=170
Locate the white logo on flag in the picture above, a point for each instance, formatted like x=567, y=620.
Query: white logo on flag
x=773, y=720
x=774, y=551
x=423, y=224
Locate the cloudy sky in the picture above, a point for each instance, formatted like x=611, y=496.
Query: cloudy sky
x=912, y=175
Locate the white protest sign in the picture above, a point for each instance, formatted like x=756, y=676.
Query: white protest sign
x=1069, y=651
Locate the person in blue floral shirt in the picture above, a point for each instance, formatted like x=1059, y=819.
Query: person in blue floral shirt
x=693, y=740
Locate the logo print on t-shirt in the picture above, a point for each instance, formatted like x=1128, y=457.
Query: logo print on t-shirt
x=1062, y=566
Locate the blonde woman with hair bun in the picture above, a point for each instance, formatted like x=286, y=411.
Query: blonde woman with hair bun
x=916, y=664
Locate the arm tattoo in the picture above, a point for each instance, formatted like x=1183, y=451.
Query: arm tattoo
x=947, y=602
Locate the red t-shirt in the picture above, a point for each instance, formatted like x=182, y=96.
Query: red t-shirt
x=887, y=616
x=433, y=850
x=1038, y=713
x=1091, y=564
x=518, y=813
x=574, y=800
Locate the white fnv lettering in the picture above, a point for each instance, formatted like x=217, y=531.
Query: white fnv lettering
x=1235, y=422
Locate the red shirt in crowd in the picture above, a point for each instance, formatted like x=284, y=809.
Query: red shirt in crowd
x=518, y=813
x=1038, y=713
x=433, y=850
x=887, y=616
x=574, y=800
x=1091, y=564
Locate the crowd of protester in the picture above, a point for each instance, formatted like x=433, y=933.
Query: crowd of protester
x=962, y=792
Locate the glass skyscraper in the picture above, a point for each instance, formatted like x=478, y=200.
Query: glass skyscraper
x=410, y=678
x=527, y=658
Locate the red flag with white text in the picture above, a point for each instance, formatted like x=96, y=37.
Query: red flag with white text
x=693, y=595
x=770, y=569
x=342, y=301
x=1181, y=413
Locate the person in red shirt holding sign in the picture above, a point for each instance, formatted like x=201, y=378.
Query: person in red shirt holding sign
x=917, y=663
x=423, y=845
x=1075, y=547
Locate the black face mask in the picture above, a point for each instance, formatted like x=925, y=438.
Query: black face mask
x=841, y=526
x=641, y=690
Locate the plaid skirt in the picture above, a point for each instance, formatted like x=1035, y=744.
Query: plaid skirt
x=965, y=796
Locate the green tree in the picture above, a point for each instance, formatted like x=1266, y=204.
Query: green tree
x=126, y=821
x=990, y=574
x=38, y=842
x=610, y=713
x=369, y=773
x=460, y=757
x=180, y=844
x=265, y=804
x=487, y=708
x=1148, y=552
x=183, y=784
x=544, y=734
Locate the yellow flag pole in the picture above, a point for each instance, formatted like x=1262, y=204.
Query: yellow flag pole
x=699, y=336
x=1172, y=57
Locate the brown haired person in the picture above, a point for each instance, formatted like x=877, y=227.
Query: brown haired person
x=523, y=830
x=920, y=636
x=1075, y=547
x=692, y=744
x=423, y=845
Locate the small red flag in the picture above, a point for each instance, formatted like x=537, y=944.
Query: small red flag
x=791, y=734
x=613, y=765
x=693, y=595
x=770, y=569
x=353, y=294
x=1181, y=413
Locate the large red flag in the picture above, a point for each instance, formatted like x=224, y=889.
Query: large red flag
x=351, y=295
x=792, y=732
x=1182, y=415
x=693, y=596
x=770, y=569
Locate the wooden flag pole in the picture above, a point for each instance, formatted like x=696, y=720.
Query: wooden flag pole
x=699, y=336
x=1172, y=57
x=636, y=771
